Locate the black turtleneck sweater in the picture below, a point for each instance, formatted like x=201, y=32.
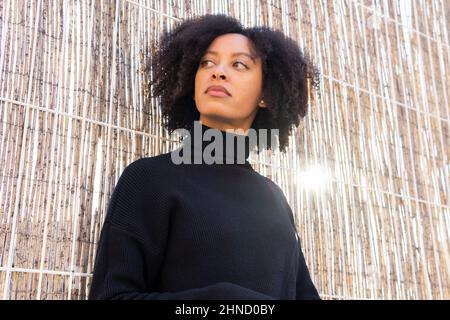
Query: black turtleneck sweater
x=198, y=231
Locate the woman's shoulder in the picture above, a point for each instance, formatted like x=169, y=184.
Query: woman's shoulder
x=159, y=162
x=273, y=185
x=142, y=185
x=148, y=169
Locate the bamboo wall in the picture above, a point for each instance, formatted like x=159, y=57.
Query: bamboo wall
x=374, y=225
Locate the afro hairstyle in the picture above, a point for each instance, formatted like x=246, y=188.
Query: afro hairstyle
x=287, y=72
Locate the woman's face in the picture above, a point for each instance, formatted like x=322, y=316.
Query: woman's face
x=223, y=64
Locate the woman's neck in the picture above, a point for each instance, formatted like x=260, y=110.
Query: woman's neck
x=211, y=145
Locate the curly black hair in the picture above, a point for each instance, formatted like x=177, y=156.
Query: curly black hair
x=173, y=63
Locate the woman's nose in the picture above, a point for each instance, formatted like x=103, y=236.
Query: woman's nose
x=219, y=72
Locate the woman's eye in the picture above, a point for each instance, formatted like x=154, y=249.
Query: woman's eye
x=203, y=63
x=241, y=63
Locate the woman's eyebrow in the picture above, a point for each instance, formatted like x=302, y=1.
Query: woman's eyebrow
x=234, y=54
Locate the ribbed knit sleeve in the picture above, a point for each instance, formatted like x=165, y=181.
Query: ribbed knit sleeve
x=133, y=240
x=305, y=287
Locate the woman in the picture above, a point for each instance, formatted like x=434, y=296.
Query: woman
x=220, y=230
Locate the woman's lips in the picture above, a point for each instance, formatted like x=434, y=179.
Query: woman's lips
x=217, y=93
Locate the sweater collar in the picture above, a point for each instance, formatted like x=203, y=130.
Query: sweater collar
x=233, y=149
